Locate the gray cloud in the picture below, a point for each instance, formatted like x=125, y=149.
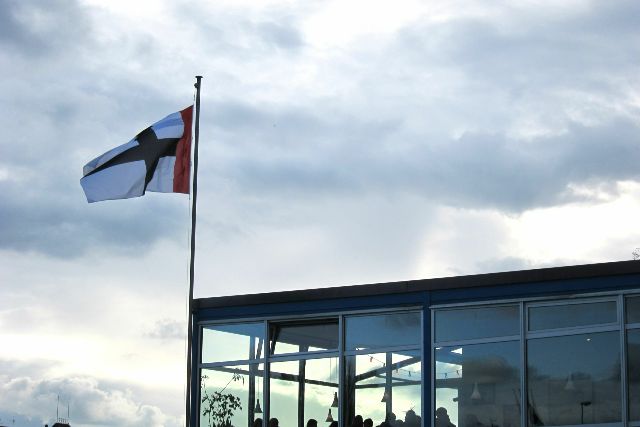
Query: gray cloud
x=90, y=401
x=478, y=169
x=42, y=28
x=168, y=329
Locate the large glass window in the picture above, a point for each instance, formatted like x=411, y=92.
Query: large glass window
x=478, y=385
x=313, y=335
x=301, y=390
x=633, y=373
x=230, y=396
x=477, y=322
x=384, y=387
x=383, y=330
x=572, y=315
x=633, y=310
x=574, y=379
x=240, y=341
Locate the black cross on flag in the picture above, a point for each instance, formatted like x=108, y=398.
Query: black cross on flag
x=157, y=159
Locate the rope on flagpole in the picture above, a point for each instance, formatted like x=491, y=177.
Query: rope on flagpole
x=193, y=253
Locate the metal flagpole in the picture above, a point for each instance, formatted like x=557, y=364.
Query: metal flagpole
x=193, y=251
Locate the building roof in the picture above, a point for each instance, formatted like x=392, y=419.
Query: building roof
x=444, y=283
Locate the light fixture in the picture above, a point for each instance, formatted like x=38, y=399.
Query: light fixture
x=475, y=395
x=385, y=396
x=569, y=386
x=329, y=417
x=334, y=403
x=258, y=409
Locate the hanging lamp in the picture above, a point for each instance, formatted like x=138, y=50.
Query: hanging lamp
x=334, y=404
x=329, y=417
x=476, y=393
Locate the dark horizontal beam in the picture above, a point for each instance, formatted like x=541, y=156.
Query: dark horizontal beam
x=444, y=283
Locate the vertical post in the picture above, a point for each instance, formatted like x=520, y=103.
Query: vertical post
x=193, y=252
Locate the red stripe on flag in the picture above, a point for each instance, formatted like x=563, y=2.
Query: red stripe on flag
x=182, y=168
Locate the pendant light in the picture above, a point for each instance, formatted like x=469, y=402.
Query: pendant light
x=334, y=404
x=476, y=393
x=258, y=409
x=385, y=396
x=569, y=386
x=329, y=417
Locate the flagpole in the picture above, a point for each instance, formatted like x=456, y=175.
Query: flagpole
x=193, y=251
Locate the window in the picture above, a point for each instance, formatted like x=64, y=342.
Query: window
x=633, y=310
x=383, y=368
x=230, y=395
x=313, y=335
x=385, y=387
x=572, y=315
x=633, y=373
x=240, y=341
x=304, y=389
x=574, y=379
x=477, y=380
x=478, y=385
x=383, y=330
x=477, y=322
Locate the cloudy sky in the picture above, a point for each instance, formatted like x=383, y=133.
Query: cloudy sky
x=342, y=142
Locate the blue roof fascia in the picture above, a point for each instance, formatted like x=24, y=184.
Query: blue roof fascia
x=315, y=307
x=536, y=289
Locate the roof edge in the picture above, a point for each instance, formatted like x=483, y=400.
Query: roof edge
x=546, y=274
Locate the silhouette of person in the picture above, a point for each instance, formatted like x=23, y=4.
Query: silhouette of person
x=368, y=422
x=333, y=424
x=257, y=422
x=442, y=418
x=273, y=422
x=411, y=419
x=357, y=421
x=312, y=423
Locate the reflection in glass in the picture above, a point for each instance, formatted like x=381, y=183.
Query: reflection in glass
x=293, y=337
x=633, y=373
x=229, y=395
x=383, y=330
x=303, y=389
x=241, y=341
x=574, y=379
x=572, y=315
x=471, y=323
x=478, y=385
x=384, y=386
x=633, y=310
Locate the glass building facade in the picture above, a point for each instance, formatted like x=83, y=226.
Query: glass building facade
x=552, y=347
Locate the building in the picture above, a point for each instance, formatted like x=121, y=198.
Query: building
x=545, y=347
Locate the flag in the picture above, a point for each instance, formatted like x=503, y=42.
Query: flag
x=157, y=159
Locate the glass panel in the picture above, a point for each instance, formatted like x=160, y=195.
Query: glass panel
x=304, y=390
x=482, y=322
x=574, y=379
x=633, y=373
x=633, y=310
x=383, y=330
x=572, y=315
x=230, y=396
x=242, y=341
x=478, y=385
x=384, y=387
x=293, y=337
